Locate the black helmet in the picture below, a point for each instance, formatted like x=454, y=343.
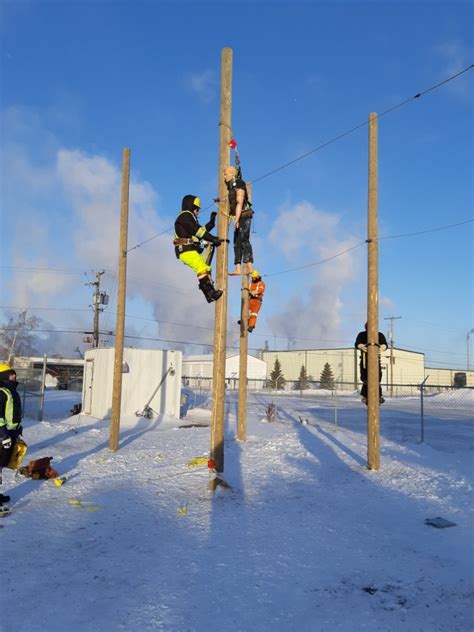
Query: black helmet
x=190, y=203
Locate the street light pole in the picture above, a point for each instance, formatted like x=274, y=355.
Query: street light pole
x=469, y=349
x=392, y=359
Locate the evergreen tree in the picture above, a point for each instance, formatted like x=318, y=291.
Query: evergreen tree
x=277, y=380
x=302, y=382
x=327, y=378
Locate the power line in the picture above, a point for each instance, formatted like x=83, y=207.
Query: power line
x=31, y=269
x=430, y=230
x=150, y=239
x=331, y=141
x=47, y=309
x=421, y=232
x=316, y=263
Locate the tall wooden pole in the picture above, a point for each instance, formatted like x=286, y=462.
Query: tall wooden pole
x=121, y=299
x=220, y=323
x=373, y=404
x=244, y=323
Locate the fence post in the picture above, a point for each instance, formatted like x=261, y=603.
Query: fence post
x=335, y=402
x=422, y=387
x=43, y=384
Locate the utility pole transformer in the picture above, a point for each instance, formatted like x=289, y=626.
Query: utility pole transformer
x=99, y=298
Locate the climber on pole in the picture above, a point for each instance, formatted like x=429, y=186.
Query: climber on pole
x=241, y=211
x=256, y=292
x=361, y=344
x=188, y=235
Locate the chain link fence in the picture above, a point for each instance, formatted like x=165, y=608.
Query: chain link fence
x=441, y=416
x=30, y=389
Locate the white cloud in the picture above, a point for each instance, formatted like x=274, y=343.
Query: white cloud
x=67, y=216
x=306, y=235
x=386, y=302
x=204, y=85
x=455, y=56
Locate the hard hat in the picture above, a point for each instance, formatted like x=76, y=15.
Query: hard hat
x=6, y=371
x=190, y=203
x=255, y=274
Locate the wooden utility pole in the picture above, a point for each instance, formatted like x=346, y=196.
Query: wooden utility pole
x=392, y=359
x=220, y=323
x=373, y=404
x=121, y=300
x=244, y=323
x=97, y=308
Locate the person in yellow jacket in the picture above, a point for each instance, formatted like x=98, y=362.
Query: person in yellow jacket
x=188, y=235
x=10, y=420
x=256, y=292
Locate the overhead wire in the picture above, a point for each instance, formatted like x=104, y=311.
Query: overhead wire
x=330, y=142
x=269, y=173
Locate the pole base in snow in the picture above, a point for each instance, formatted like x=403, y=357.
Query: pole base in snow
x=217, y=481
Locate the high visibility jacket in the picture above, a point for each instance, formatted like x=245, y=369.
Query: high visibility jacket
x=256, y=290
x=10, y=410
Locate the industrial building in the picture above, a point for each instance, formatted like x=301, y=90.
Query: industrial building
x=406, y=367
x=197, y=370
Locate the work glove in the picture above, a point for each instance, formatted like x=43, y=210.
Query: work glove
x=217, y=241
x=362, y=347
x=383, y=348
x=212, y=221
x=7, y=443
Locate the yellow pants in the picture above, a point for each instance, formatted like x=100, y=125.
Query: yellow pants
x=193, y=259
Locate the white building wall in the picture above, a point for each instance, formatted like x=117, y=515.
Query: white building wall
x=408, y=367
x=201, y=366
x=146, y=369
x=445, y=377
x=341, y=361
x=256, y=368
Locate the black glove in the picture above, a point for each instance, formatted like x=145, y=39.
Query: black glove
x=217, y=241
x=213, y=216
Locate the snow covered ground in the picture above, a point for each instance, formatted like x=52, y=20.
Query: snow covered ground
x=308, y=539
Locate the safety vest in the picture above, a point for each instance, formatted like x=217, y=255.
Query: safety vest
x=257, y=289
x=8, y=418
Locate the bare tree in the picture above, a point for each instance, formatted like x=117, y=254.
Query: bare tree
x=17, y=336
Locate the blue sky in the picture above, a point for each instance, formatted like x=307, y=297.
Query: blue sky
x=83, y=80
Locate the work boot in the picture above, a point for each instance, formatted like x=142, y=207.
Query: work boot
x=207, y=288
x=4, y=499
x=250, y=329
